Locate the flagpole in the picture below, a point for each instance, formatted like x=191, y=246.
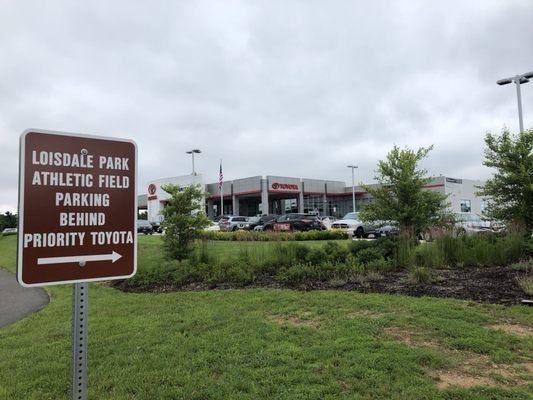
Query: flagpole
x=221, y=192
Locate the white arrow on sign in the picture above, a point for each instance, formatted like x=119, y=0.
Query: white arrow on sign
x=114, y=256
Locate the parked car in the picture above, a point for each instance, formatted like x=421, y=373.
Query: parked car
x=388, y=230
x=143, y=226
x=352, y=224
x=257, y=223
x=471, y=224
x=294, y=222
x=326, y=220
x=157, y=227
x=464, y=224
x=213, y=226
x=233, y=223
x=219, y=217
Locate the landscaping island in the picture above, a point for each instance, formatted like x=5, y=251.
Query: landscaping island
x=487, y=269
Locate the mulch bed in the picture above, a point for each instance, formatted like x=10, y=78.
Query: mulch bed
x=496, y=285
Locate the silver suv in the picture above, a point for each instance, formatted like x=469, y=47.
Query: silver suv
x=233, y=223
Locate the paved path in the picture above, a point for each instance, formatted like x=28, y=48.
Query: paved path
x=16, y=302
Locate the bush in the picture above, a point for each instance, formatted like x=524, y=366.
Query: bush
x=369, y=254
x=420, y=275
x=429, y=256
x=292, y=262
x=526, y=284
x=306, y=272
x=379, y=265
x=269, y=236
x=316, y=256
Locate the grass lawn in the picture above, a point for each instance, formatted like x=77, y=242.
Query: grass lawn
x=269, y=344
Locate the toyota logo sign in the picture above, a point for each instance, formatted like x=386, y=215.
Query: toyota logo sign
x=284, y=186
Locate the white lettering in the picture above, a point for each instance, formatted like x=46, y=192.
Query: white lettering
x=81, y=219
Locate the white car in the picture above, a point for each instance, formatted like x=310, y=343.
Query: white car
x=213, y=226
x=352, y=224
x=471, y=224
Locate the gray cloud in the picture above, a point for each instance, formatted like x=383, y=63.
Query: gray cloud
x=295, y=88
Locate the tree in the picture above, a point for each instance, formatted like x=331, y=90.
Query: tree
x=183, y=220
x=400, y=196
x=8, y=220
x=510, y=190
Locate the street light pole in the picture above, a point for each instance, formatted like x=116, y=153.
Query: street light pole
x=353, y=167
x=192, y=152
x=519, y=100
x=518, y=80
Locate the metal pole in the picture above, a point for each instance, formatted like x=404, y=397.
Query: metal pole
x=221, y=200
x=193, y=172
x=519, y=98
x=353, y=189
x=80, y=316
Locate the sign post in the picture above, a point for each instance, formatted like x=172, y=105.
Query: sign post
x=77, y=221
x=80, y=303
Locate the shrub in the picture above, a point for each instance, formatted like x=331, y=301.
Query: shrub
x=404, y=255
x=379, y=264
x=304, y=272
x=369, y=254
x=523, y=266
x=429, y=255
x=335, y=252
x=316, y=256
x=526, y=284
x=273, y=236
x=420, y=275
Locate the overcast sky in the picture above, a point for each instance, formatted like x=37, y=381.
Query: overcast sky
x=292, y=88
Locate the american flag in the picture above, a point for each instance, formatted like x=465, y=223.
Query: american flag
x=220, y=177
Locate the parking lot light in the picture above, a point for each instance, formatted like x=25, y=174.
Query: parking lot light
x=518, y=80
x=353, y=167
x=192, y=153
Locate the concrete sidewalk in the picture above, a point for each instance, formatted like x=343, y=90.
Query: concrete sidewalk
x=17, y=302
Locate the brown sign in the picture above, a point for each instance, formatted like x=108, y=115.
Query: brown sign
x=77, y=208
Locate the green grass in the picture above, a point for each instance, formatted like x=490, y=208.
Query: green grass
x=261, y=344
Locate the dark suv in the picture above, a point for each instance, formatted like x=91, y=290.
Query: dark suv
x=295, y=222
x=143, y=226
x=258, y=223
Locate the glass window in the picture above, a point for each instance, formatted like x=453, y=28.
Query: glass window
x=465, y=206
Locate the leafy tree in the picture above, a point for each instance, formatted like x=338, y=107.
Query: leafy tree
x=182, y=220
x=400, y=196
x=8, y=220
x=510, y=190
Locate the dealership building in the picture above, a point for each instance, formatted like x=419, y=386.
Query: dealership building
x=257, y=195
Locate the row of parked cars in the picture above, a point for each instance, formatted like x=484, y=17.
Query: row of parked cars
x=272, y=222
x=464, y=224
